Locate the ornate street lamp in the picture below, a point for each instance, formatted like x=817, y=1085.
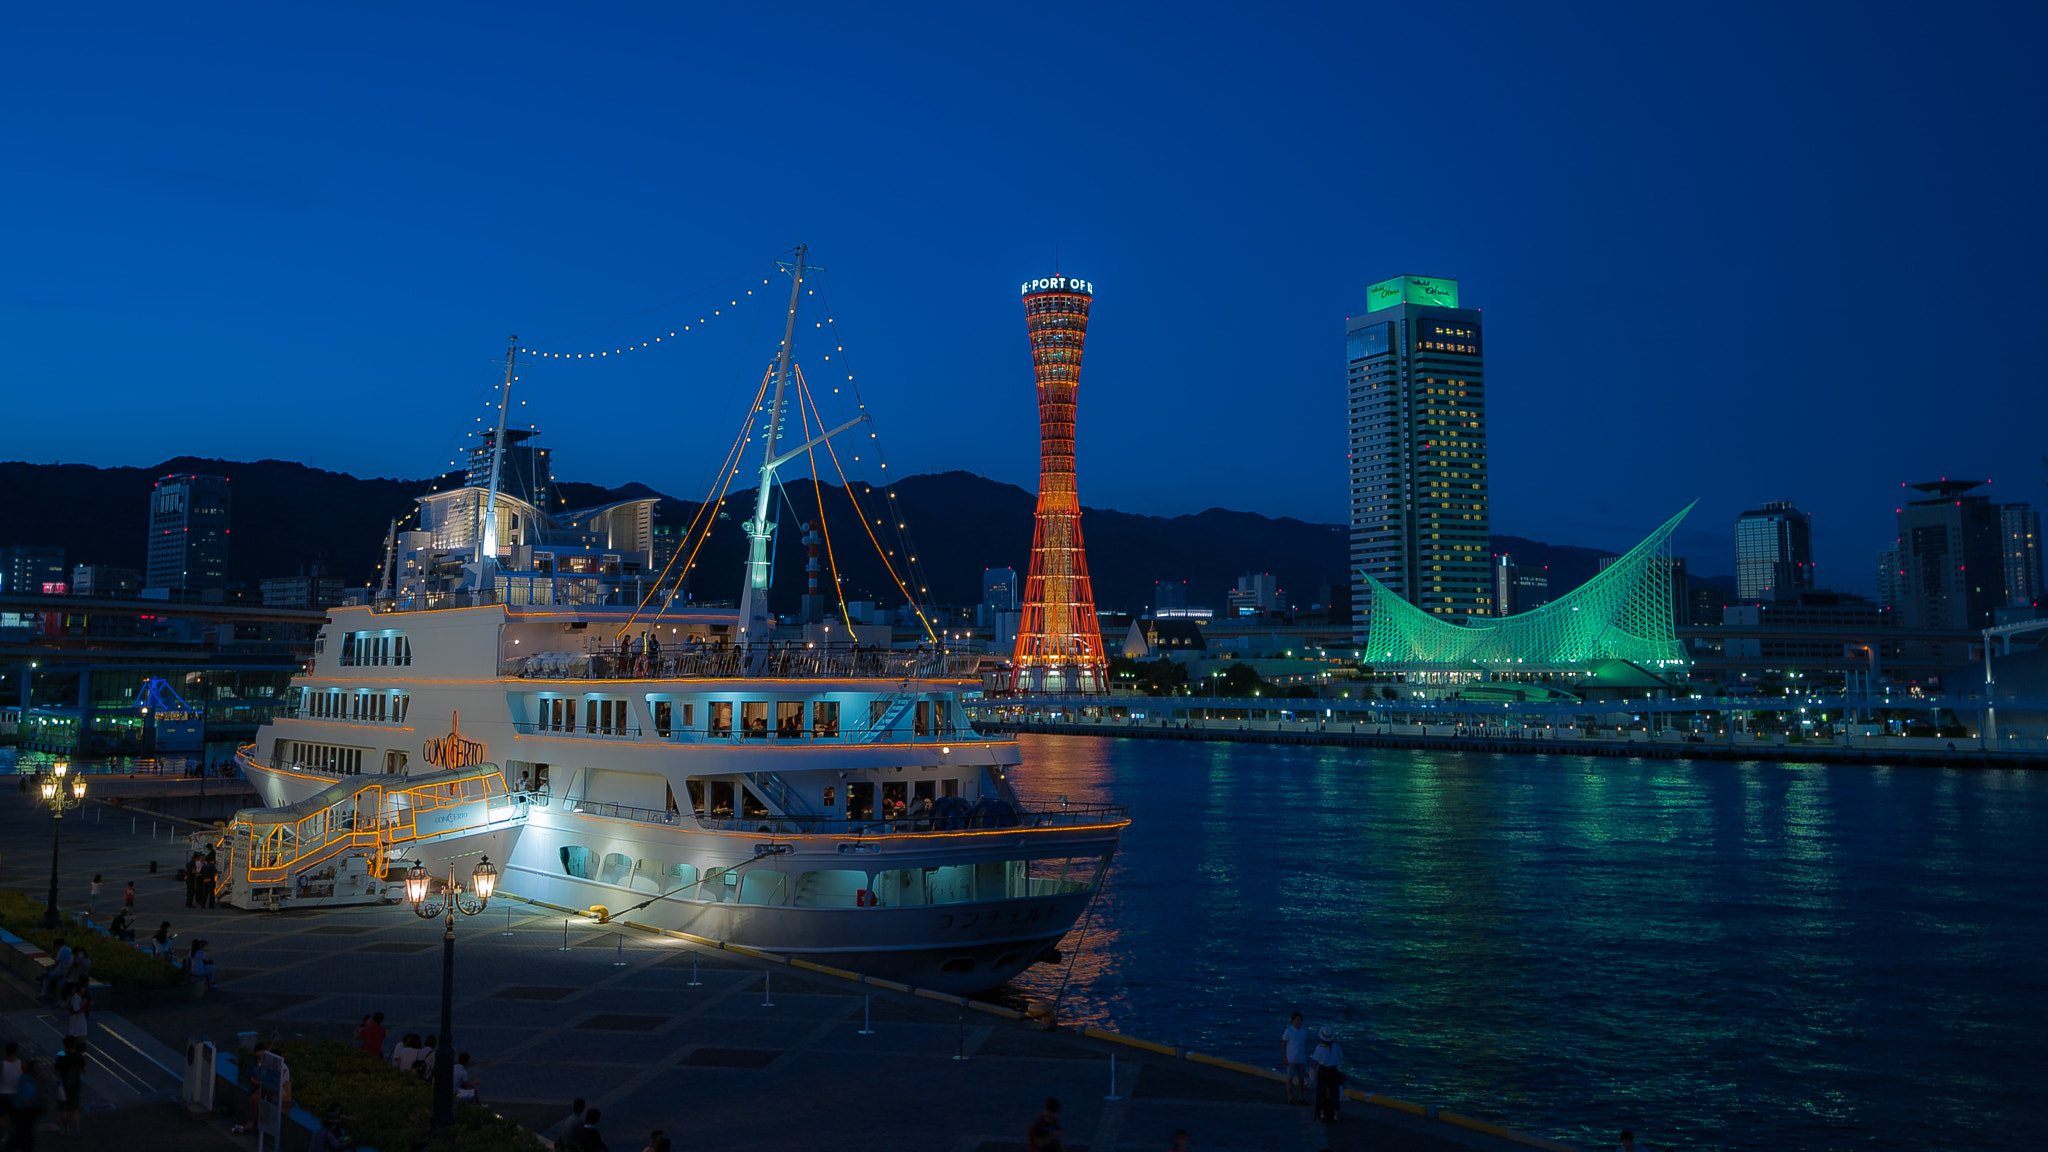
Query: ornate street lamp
x=59, y=797
x=483, y=880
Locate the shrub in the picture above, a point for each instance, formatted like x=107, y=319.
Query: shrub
x=115, y=961
x=386, y=1109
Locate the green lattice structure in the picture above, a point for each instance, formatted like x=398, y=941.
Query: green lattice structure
x=1624, y=613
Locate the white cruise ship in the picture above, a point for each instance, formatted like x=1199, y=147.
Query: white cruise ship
x=797, y=793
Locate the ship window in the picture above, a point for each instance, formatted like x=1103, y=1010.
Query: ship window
x=750, y=805
x=895, y=798
x=949, y=787
x=727, y=887
x=721, y=799
x=860, y=801
x=754, y=717
x=924, y=791
x=762, y=886
x=825, y=718
x=831, y=796
x=789, y=719
x=922, y=725
x=662, y=715
x=617, y=868
x=590, y=715
x=836, y=888
x=953, y=884
x=682, y=880
x=695, y=787
x=576, y=861
x=721, y=718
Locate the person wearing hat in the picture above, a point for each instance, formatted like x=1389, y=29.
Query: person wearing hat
x=1327, y=1061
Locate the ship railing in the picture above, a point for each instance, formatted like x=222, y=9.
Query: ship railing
x=1066, y=816
x=950, y=734
x=781, y=662
x=622, y=812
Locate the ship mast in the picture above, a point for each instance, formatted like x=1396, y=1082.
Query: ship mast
x=754, y=594
x=487, y=552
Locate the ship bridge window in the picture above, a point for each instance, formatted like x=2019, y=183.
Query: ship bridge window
x=576, y=861
x=682, y=880
x=618, y=868
x=374, y=649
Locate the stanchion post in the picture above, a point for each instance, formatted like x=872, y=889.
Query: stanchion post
x=768, y=989
x=621, y=961
x=960, y=1053
x=867, y=1016
x=1112, y=1079
x=565, y=937
x=694, y=982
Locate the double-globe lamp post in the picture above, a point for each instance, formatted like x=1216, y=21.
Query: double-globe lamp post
x=59, y=797
x=483, y=881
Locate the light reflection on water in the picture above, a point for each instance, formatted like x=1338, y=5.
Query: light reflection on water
x=1722, y=955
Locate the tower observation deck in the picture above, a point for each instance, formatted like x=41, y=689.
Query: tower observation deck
x=1059, y=642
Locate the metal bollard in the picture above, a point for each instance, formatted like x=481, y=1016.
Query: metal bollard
x=767, y=989
x=1112, y=1079
x=621, y=961
x=960, y=1053
x=508, y=921
x=867, y=1013
x=565, y=937
x=694, y=982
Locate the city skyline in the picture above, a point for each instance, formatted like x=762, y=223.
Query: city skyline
x=288, y=259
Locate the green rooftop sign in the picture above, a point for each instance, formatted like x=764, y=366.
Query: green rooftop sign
x=1411, y=290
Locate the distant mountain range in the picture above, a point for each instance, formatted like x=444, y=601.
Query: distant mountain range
x=288, y=517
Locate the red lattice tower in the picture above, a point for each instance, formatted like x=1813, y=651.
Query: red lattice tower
x=1059, y=642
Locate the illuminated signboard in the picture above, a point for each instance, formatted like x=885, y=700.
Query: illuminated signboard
x=1411, y=290
x=1070, y=284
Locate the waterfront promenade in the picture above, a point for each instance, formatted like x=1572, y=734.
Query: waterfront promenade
x=1266, y=728
x=660, y=1033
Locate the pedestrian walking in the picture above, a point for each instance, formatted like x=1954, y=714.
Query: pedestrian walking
x=70, y=1068
x=30, y=1095
x=11, y=1069
x=1294, y=1057
x=92, y=906
x=569, y=1130
x=1328, y=1059
x=589, y=1140
x=80, y=1003
x=192, y=882
x=370, y=1034
x=59, y=971
x=1045, y=1135
x=209, y=878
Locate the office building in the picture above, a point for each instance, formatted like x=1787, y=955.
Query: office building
x=1416, y=384
x=1255, y=593
x=188, y=533
x=1519, y=587
x=32, y=570
x=1773, y=552
x=525, y=470
x=999, y=589
x=2019, y=537
x=1953, y=569
x=1891, y=580
x=105, y=580
x=1169, y=594
x=313, y=590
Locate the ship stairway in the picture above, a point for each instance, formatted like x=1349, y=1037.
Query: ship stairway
x=900, y=705
x=335, y=847
x=782, y=798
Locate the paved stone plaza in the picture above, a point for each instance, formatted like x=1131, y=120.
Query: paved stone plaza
x=655, y=1032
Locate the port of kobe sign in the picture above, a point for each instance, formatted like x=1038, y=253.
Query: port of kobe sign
x=1059, y=284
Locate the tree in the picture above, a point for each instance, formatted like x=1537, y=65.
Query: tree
x=1240, y=680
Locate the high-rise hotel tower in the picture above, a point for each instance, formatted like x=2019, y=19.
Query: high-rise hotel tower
x=1059, y=641
x=1417, y=388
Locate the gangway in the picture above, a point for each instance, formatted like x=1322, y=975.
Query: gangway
x=335, y=847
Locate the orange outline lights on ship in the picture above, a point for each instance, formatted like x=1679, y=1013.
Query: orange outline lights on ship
x=1059, y=642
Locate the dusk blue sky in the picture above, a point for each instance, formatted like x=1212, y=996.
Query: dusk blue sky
x=1737, y=253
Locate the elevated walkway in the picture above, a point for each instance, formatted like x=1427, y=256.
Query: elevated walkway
x=335, y=847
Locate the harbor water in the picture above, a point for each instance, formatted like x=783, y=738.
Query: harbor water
x=1717, y=955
